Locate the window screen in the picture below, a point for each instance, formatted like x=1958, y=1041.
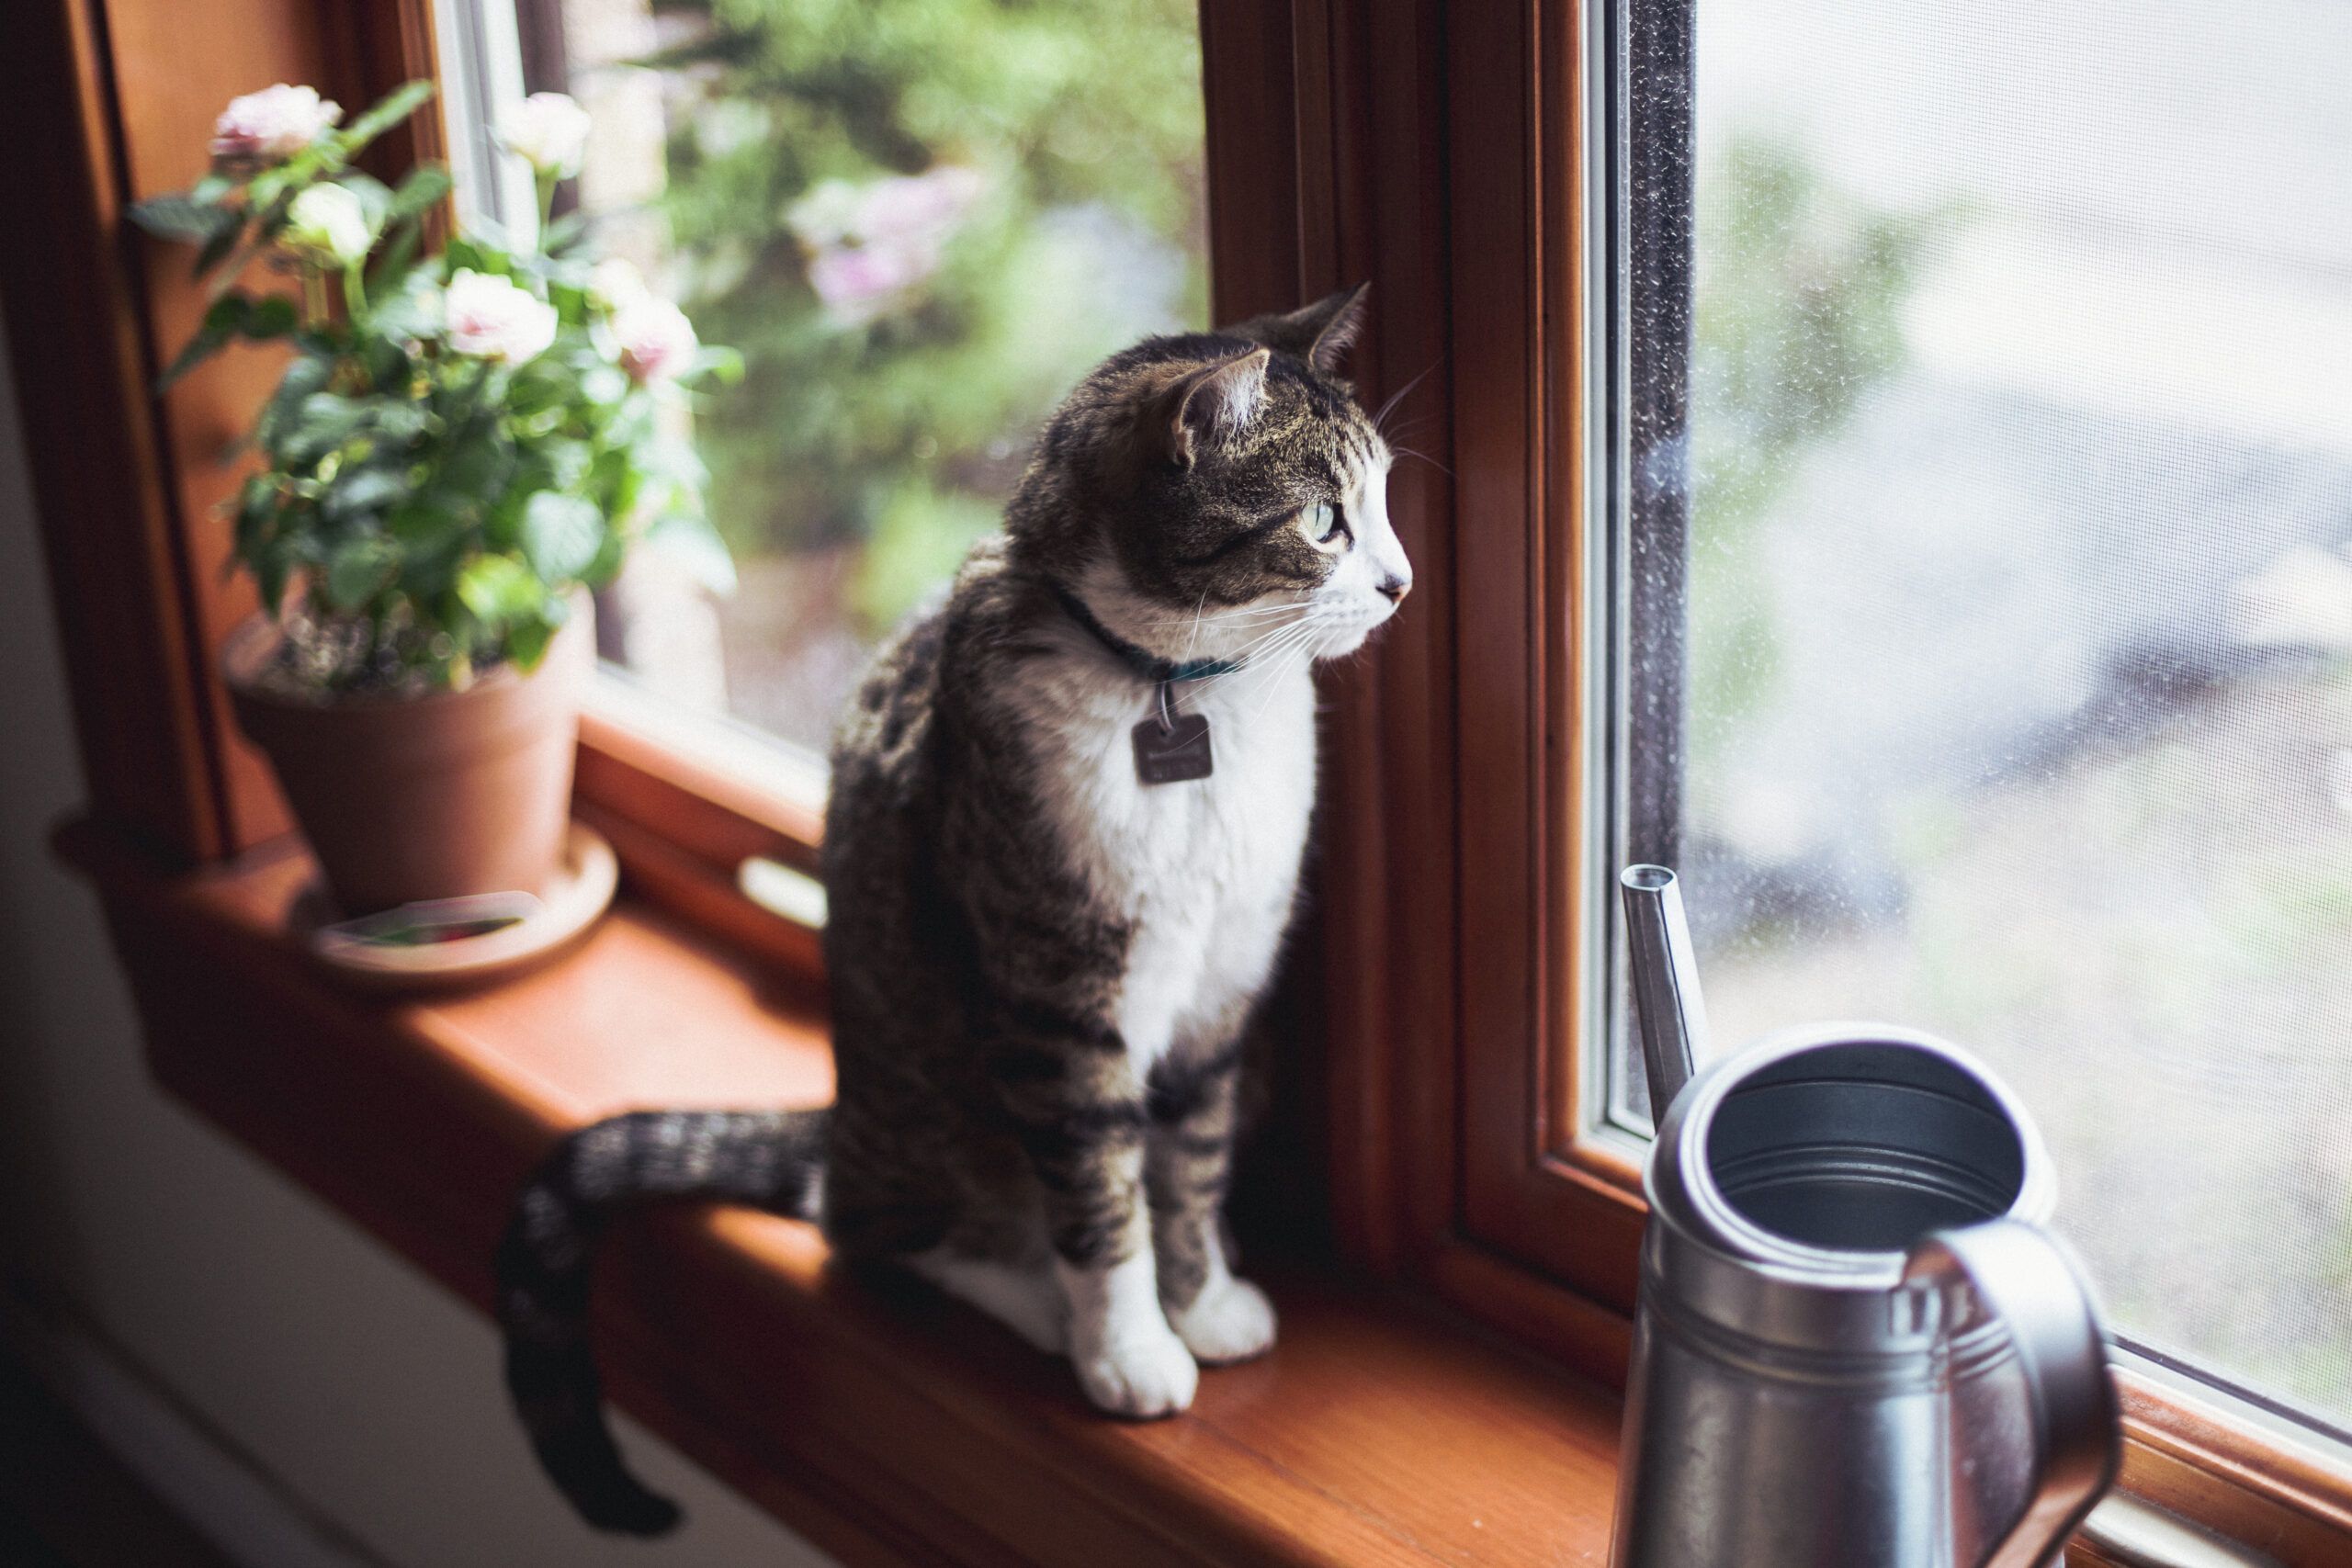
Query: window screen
x=1984, y=534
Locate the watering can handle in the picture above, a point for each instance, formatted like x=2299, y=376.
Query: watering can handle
x=2028, y=1281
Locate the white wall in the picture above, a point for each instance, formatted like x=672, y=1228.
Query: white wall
x=361, y=1392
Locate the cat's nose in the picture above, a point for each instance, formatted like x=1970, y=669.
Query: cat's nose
x=1394, y=588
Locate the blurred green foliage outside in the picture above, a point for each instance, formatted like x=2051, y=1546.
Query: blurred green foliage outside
x=921, y=220
x=1799, y=298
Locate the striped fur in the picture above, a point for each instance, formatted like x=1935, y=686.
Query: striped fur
x=1042, y=969
x=767, y=1160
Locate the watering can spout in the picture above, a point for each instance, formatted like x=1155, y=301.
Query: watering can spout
x=1665, y=973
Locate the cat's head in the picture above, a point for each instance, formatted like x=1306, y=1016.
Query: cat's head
x=1222, y=494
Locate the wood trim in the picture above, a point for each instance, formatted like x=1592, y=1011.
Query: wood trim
x=123, y=92
x=1252, y=156
x=685, y=801
x=2252, y=1485
x=1455, y=1157
x=175, y=66
x=1375, y=185
x=888, y=1424
x=1518, y=235
x=1348, y=139
x=82, y=350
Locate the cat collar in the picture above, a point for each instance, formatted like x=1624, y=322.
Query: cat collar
x=1146, y=666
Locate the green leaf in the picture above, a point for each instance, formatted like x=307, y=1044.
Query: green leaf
x=392, y=263
x=726, y=364
x=216, y=249
x=399, y=423
x=223, y=321
x=305, y=376
x=270, y=184
x=406, y=307
x=271, y=316
x=476, y=252
x=271, y=569
x=527, y=644
x=357, y=571
x=567, y=461
x=200, y=347
x=463, y=254
x=424, y=525
x=396, y=107
x=180, y=216
x=697, y=549
x=323, y=422
x=561, y=534
x=358, y=493
x=605, y=384
x=426, y=184
x=498, y=588
x=477, y=464
x=375, y=197
x=256, y=505
x=564, y=232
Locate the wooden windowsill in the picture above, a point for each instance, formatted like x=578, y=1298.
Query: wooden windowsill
x=887, y=1424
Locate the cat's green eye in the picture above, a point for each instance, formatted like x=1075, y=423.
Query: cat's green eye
x=1324, y=524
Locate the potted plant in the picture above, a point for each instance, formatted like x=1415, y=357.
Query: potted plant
x=461, y=446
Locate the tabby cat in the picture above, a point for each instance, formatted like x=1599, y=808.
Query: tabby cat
x=1068, y=812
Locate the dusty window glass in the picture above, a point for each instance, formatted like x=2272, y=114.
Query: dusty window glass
x=920, y=220
x=2010, y=660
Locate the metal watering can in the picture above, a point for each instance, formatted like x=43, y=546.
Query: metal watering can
x=1855, y=1346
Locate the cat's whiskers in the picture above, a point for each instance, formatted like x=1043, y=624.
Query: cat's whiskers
x=1260, y=647
x=1192, y=639
x=1257, y=646
x=1299, y=651
x=1239, y=618
x=1271, y=653
x=1399, y=396
x=1422, y=457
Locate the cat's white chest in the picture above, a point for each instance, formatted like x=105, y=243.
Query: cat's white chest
x=1202, y=871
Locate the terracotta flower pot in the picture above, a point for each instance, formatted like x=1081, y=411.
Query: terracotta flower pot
x=425, y=798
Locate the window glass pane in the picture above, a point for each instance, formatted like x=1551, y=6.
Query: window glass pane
x=920, y=220
x=2015, y=659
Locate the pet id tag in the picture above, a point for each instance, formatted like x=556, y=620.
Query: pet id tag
x=1172, y=747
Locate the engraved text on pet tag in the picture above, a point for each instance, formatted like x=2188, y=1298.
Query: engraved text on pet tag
x=1171, y=747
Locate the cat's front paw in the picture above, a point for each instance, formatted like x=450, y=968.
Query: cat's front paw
x=1143, y=1371
x=1230, y=1320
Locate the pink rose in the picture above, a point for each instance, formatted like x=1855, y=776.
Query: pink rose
x=930, y=204
x=656, y=340
x=271, y=125
x=858, y=282
x=869, y=246
x=489, y=318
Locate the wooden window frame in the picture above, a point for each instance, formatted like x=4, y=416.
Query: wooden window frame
x=1457, y=1082
x=1436, y=150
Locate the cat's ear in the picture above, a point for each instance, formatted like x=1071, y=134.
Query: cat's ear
x=1318, y=334
x=1207, y=404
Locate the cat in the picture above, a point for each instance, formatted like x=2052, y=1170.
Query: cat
x=1054, y=902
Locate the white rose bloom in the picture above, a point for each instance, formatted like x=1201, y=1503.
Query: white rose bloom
x=273, y=124
x=547, y=130
x=328, y=224
x=613, y=283
x=489, y=317
x=657, y=341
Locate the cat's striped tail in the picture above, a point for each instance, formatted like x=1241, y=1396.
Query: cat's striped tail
x=771, y=1159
